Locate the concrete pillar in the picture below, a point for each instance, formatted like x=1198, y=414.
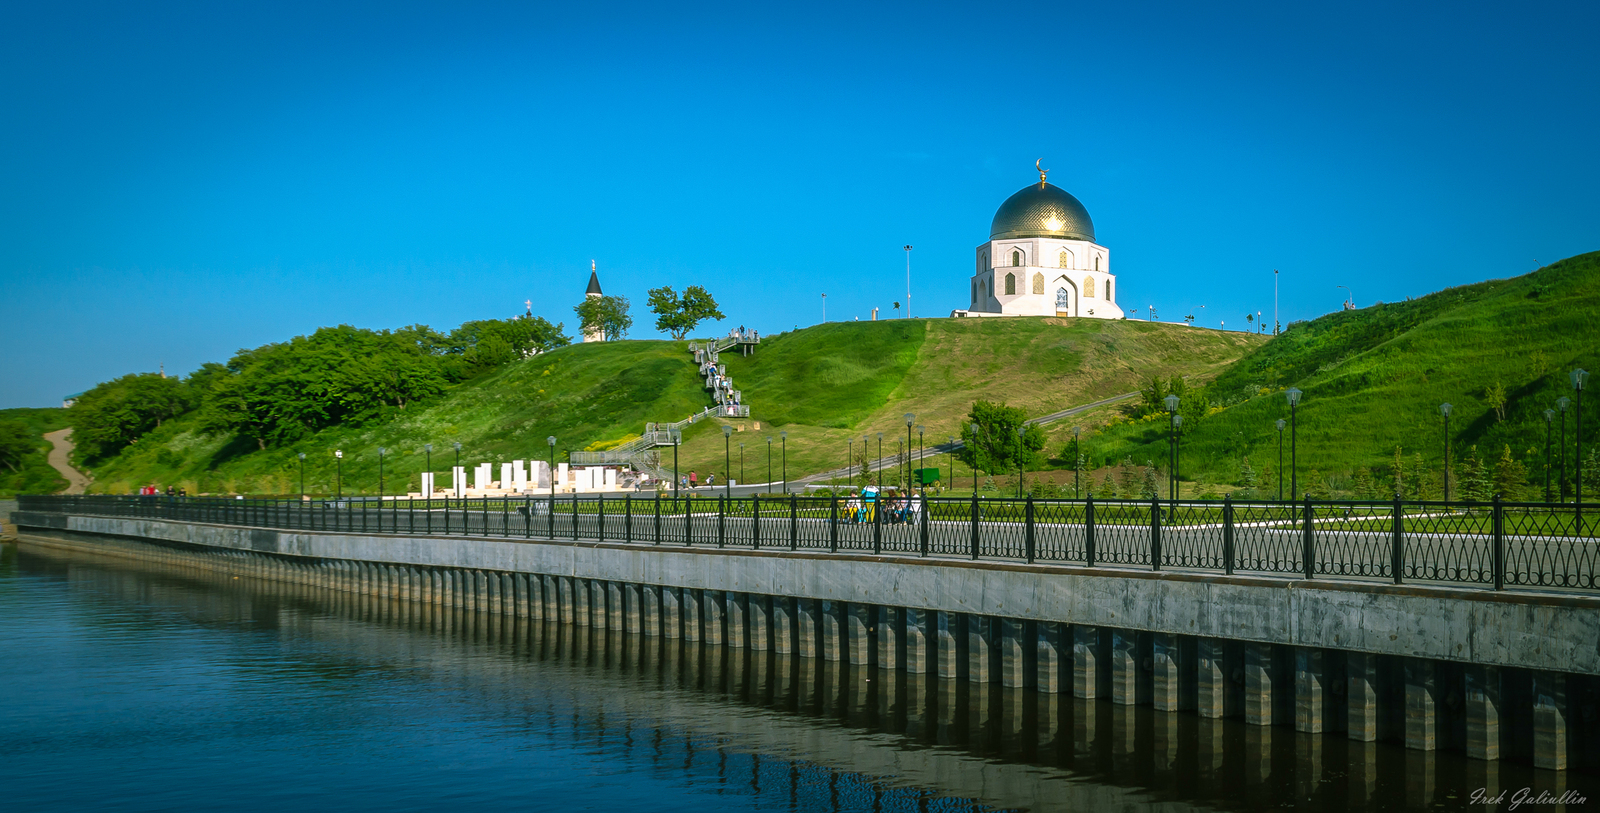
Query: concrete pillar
x=1258, y=684
x=691, y=600
x=833, y=631
x=650, y=620
x=982, y=648
x=947, y=653
x=1048, y=656
x=1482, y=687
x=497, y=604
x=599, y=613
x=519, y=581
x=1550, y=720
x=808, y=629
x=1167, y=672
x=1311, y=693
x=919, y=642
x=1422, y=704
x=889, y=624
x=632, y=612
x=712, y=605
x=1361, y=696
x=737, y=607
x=1015, y=657
x=480, y=581
x=569, y=601
x=583, y=602
x=535, y=596
x=785, y=625
x=671, y=612
x=1124, y=668
x=1085, y=661
x=552, y=598
x=615, y=607
x=759, y=609
x=859, y=624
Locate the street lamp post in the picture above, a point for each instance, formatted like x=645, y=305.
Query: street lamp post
x=880, y=460
x=952, y=462
x=338, y=474
x=303, y=475
x=1561, y=481
x=381, y=452
x=1177, y=452
x=1579, y=377
x=1444, y=409
x=1077, y=463
x=769, y=462
x=849, y=461
x=1294, y=472
x=741, y=462
x=910, y=418
x=918, y=478
x=427, y=448
x=1280, y=424
x=1171, y=402
x=459, y=477
x=784, y=438
x=975, y=431
x=727, y=460
x=908, y=287
x=1549, y=421
x=552, y=441
x=1021, y=472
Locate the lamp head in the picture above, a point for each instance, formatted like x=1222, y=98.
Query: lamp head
x=1177, y=421
x=784, y=434
x=727, y=431
x=910, y=419
x=382, y=451
x=1172, y=403
x=551, y=440
x=1076, y=430
x=1444, y=409
x=1549, y=415
x=880, y=436
x=1294, y=396
x=1563, y=402
x=338, y=453
x=427, y=447
x=302, y=455
x=1281, y=424
x=458, y=444
x=1579, y=376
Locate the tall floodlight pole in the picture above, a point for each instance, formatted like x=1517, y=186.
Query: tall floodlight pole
x=1549, y=421
x=1444, y=409
x=303, y=475
x=1077, y=463
x=1275, y=321
x=784, y=442
x=727, y=461
x=1294, y=470
x=824, y=308
x=1579, y=377
x=381, y=452
x=910, y=419
x=1280, y=424
x=1171, y=402
x=849, y=461
x=1561, y=481
x=908, y=285
x=338, y=474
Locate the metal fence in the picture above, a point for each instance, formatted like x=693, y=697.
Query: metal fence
x=1494, y=544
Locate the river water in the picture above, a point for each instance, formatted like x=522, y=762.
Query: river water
x=133, y=689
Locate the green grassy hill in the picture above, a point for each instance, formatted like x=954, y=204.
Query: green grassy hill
x=823, y=385
x=34, y=476
x=1374, y=379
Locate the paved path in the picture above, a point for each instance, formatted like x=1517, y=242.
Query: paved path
x=60, y=455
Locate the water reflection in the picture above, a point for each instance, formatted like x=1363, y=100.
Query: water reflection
x=804, y=733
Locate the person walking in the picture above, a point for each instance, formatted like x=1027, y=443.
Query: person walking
x=694, y=480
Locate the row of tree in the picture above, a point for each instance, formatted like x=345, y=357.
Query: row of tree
x=675, y=315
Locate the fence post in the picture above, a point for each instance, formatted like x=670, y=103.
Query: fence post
x=527, y=516
x=1499, y=544
x=627, y=518
x=1310, y=546
x=1397, y=542
x=722, y=521
x=974, y=524
x=755, y=519
x=688, y=520
x=794, y=522
x=877, y=524
x=549, y=515
x=833, y=524
x=574, y=514
x=1155, y=533
x=658, y=516
x=600, y=516
x=1227, y=534
x=1088, y=531
x=1028, y=533
x=923, y=517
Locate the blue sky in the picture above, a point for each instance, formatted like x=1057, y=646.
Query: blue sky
x=185, y=180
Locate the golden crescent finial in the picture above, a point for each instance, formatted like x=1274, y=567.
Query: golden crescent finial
x=1042, y=172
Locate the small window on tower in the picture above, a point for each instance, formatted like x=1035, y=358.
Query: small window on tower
x=1097, y=262
x=1016, y=258
x=1065, y=260
x=1011, y=284
x=1108, y=291
x=1088, y=287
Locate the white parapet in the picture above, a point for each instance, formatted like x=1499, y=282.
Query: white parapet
x=427, y=484
x=505, y=475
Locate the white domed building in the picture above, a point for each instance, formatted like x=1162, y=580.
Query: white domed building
x=1042, y=260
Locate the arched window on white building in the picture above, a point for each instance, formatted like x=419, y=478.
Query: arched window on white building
x=1097, y=262
x=1063, y=302
x=1088, y=287
x=1108, y=291
x=1038, y=283
x=1011, y=285
x=1065, y=260
x=1016, y=259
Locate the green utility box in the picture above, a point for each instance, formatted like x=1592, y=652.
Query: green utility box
x=927, y=477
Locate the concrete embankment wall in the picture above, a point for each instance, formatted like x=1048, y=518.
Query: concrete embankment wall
x=1431, y=666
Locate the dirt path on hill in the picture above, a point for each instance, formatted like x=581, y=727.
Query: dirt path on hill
x=60, y=455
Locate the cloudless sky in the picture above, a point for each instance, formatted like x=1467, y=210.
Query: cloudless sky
x=184, y=180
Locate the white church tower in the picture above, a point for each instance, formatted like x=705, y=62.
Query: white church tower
x=593, y=334
x=1042, y=260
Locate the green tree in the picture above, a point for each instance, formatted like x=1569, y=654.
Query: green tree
x=1397, y=470
x=16, y=442
x=1423, y=486
x=1107, y=489
x=1495, y=396
x=118, y=412
x=1474, y=479
x=994, y=445
x=1149, y=486
x=1247, y=478
x=608, y=314
x=1127, y=479
x=1365, y=488
x=1510, y=476
x=678, y=315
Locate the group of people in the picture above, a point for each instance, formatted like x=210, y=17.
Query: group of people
x=692, y=480
x=155, y=491
x=897, y=507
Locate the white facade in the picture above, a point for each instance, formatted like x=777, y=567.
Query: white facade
x=1041, y=276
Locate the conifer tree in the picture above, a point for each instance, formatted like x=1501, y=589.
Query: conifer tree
x=1363, y=485
x=1397, y=470
x=1148, y=489
x=1510, y=476
x=1127, y=479
x=1421, y=479
x=1108, y=488
x=1474, y=478
x=1247, y=479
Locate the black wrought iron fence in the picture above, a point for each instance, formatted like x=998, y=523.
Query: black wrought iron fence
x=1493, y=544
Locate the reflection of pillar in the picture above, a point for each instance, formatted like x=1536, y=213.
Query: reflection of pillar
x=1361, y=767
x=1016, y=737
x=1014, y=656
x=1420, y=768
x=1307, y=764
x=890, y=624
x=918, y=693
x=945, y=729
x=1085, y=661
x=1549, y=720
x=1048, y=717
x=1165, y=743
x=858, y=633
x=711, y=607
x=981, y=648
x=1257, y=751
x=947, y=651
x=980, y=708
x=1124, y=668
x=1422, y=716
x=1361, y=696
x=1047, y=656
x=1084, y=719
x=1258, y=683
x=1208, y=754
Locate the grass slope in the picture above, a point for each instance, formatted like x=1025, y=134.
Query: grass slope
x=1374, y=379
x=822, y=385
x=35, y=475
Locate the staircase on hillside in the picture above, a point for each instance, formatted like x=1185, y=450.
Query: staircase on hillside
x=640, y=453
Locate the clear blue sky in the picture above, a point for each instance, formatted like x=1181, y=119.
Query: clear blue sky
x=184, y=180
